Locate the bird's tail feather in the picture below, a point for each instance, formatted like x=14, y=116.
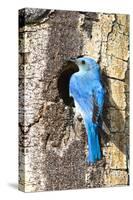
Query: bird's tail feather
x=93, y=141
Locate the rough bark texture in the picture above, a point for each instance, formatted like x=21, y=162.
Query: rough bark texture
x=52, y=143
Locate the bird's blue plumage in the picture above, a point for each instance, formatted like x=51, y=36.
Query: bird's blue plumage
x=88, y=93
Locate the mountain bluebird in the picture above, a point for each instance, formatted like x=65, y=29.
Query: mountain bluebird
x=88, y=93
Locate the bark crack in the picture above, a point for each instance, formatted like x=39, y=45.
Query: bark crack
x=111, y=31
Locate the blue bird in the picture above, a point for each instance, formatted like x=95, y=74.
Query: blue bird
x=88, y=93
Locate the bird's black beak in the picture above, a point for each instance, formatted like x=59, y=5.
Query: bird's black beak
x=72, y=59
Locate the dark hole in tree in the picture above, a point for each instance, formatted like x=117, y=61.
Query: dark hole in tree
x=63, y=82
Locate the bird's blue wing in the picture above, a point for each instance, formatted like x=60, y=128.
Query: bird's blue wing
x=98, y=100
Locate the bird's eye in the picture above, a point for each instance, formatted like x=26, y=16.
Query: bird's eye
x=83, y=62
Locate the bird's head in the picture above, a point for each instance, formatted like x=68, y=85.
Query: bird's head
x=85, y=63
